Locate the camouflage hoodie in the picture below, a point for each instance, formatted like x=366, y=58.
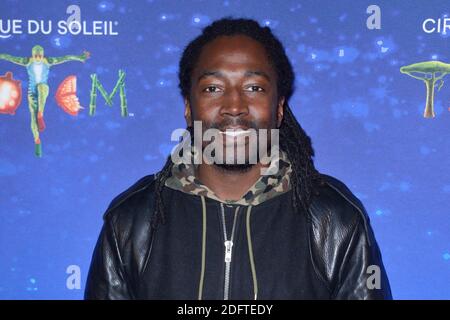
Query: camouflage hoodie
x=266, y=187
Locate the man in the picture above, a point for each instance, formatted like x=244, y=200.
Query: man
x=227, y=231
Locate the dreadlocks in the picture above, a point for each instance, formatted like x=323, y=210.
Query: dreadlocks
x=293, y=139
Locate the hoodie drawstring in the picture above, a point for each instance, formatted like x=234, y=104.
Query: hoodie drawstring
x=202, y=273
x=250, y=252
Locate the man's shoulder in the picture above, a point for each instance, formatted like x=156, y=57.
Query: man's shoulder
x=128, y=227
x=335, y=205
x=342, y=241
x=335, y=214
x=138, y=198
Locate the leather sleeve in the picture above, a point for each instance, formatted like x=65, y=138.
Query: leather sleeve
x=106, y=278
x=344, y=250
x=362, y=274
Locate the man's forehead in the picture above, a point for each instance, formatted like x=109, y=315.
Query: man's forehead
x=231, y=56
x=231, y=65
x=233, y=49
x=224, y=73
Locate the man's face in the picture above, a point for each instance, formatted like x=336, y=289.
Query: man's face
x=234, y=87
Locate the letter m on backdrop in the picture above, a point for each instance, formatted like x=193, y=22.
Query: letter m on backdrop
x=97, y=86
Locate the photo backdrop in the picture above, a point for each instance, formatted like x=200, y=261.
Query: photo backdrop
x=365, y=118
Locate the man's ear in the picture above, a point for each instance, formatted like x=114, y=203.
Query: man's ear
x=187, y=112
x=280, y=110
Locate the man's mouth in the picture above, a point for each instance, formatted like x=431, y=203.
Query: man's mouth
x=235, y=131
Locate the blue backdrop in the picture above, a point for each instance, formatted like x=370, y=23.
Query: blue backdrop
x=365, y=119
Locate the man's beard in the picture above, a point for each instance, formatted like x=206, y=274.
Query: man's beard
x=250, y=155
x=235, y=168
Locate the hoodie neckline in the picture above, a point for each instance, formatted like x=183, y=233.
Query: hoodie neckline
x=183, y=178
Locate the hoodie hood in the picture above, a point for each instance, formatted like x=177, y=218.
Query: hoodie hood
x=266, y=187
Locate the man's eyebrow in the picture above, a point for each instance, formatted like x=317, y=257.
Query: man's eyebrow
x=209, y=73
x=248, y=73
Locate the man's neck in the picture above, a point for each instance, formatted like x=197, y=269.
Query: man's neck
x=228, y=184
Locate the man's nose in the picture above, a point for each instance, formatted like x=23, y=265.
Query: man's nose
x=234, y=103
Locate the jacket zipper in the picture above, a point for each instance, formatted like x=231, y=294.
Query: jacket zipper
x=228, y=250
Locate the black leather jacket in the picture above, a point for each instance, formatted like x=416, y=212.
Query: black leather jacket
x=329, y=253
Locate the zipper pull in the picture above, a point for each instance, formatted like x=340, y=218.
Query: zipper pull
x=228, y=249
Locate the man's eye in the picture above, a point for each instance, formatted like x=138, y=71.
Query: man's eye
x=256, y=89
x=211, y=89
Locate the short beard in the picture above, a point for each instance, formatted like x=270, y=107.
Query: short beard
x=234, y=168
